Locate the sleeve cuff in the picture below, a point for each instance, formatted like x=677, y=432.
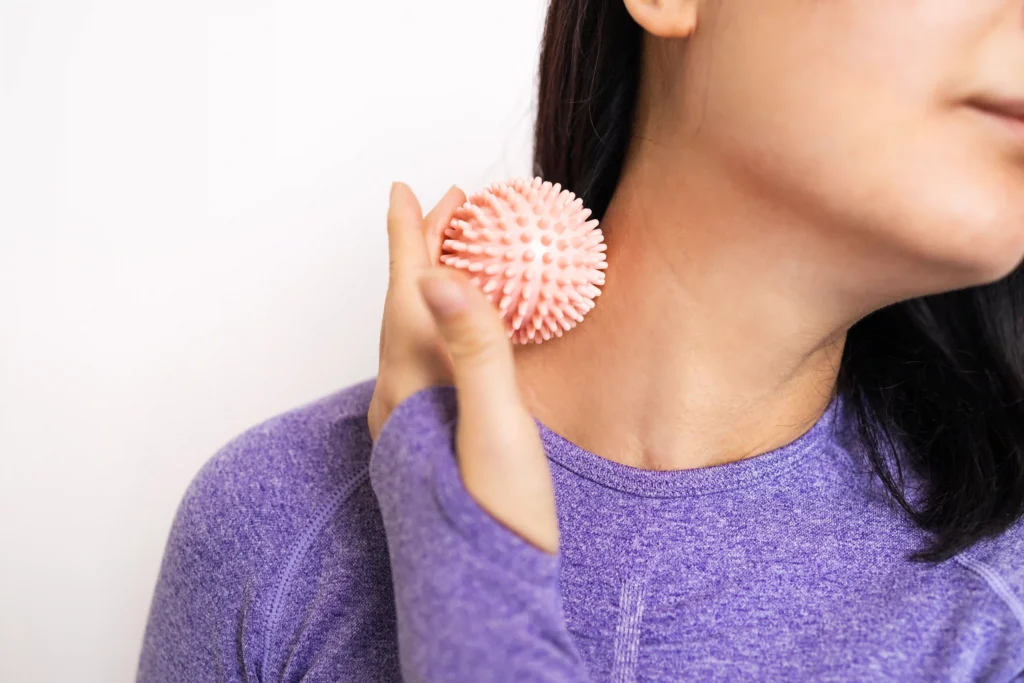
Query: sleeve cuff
x=429, y=416
x=488, y=536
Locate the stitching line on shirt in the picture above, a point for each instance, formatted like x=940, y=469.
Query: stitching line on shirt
x=632, y=599
x=996, y=583
x=627, y=634
x=300, y=548
x=748, y=480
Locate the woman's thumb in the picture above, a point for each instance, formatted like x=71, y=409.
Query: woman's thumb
x=476, y=340
x=500, y=452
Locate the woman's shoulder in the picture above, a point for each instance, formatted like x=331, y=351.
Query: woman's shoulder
x=274, y=498
x=270, y=485
x=295, y=460
x=998, y=560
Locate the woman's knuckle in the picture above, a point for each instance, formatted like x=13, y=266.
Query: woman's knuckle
x=474, y=348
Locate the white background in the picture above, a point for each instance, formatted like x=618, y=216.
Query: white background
x=192, y=239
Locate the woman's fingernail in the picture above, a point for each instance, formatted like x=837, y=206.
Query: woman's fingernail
x=394, y=187
x=444, y=297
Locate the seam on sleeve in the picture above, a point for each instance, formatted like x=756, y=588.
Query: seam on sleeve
x=313, y=529
x=996, y=583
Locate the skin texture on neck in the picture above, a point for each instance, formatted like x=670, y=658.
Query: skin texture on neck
x=715, y=337
x=774, y=193
x=719, y=332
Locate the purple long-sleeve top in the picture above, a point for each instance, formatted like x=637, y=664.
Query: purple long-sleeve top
x=302, y=551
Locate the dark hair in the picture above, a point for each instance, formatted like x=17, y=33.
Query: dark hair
x=939, y=379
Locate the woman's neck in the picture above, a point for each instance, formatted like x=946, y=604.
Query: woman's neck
x=717, y=336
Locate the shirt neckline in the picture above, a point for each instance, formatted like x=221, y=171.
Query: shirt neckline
x=695, y=481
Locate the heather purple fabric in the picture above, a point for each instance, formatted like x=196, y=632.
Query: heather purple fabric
x=302, y=552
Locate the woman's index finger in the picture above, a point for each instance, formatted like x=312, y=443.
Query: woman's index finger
x=406, y=247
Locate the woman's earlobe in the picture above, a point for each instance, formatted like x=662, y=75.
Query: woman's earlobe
x=665, y=18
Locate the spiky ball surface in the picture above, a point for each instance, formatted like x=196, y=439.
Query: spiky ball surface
x=530, y=247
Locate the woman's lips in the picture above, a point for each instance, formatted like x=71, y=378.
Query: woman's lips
x=1008, y=112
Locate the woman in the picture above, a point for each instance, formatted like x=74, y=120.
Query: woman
x=788, y=444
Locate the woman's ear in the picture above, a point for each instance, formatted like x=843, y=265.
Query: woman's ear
x=665, y=18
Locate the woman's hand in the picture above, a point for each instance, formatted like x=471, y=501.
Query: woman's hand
x=438, y=328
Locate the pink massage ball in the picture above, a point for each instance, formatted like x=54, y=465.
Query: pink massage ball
x=528, y=245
